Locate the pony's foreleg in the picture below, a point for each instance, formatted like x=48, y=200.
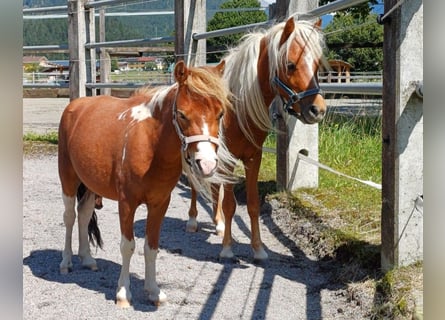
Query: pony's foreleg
x=192, y=223
x=85, y=211
x=151, y=246
x=69, y=217
x=155, y=294
x=123, y=295
x=126, y=218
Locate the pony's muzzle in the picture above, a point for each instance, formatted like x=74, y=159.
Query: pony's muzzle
x=207, y=167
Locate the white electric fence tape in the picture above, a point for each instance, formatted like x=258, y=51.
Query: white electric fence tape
x=320, y=165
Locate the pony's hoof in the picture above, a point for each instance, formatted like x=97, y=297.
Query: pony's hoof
x=260, y=255
x=226, y=253
x=89, y=263
x=123, y=297
x=65, y=270
x=123, y=303
x=157, y=299
x=192, y=225
x=92, y=267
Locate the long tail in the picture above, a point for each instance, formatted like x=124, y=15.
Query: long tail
x=94, y=235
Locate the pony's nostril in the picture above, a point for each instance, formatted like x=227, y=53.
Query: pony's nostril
x=207, y=167
x=314, y=110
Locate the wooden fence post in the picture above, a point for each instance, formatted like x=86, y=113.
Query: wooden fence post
x=296, y=137
x=90, y=54
x=195, y=21
x=402, y=134
x=105, y=62
x=76, y=43
x=179, y=30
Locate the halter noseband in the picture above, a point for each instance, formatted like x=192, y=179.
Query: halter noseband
x=293, y=96
x=186, y=140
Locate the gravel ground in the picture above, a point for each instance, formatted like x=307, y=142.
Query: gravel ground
x=292, y=284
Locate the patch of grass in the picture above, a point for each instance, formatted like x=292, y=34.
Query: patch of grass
x=399, y=294
x=351, y=146
x=39, y=144
x=50, y=137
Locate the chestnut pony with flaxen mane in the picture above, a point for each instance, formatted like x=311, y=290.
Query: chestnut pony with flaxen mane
x=133, y=151
x=280, y=61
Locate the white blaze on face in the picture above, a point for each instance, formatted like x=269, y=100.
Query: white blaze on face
x=206, y=153
x=309, y=59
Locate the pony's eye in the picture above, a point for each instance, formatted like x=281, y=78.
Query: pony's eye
x=181, y=115
x=220, y=115
x=291, y=67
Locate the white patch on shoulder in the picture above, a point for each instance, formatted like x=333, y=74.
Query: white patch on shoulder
x=140, y=112
x=137, y=113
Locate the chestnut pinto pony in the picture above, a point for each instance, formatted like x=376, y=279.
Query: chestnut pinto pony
x=133, y=150
x=284, y=61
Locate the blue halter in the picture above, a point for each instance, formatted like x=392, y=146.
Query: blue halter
x=294, y=97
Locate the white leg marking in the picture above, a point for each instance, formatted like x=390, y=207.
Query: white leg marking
x=220, y=226
x=123, y=295
x=69, y=216
x=154, y=293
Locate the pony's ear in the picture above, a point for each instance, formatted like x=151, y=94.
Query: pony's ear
x=287, y=30
x=317, y=24
x=220, y=67
x=181, y=72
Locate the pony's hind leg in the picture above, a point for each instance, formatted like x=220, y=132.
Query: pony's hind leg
x=192, y=223
x=85, y=210
x=69, y=217
x=218, y=217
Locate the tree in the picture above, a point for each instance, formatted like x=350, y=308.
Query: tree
x=357, y=40
x=357, y=11
x=229, y=19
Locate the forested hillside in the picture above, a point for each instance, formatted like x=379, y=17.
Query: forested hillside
x=54, y=31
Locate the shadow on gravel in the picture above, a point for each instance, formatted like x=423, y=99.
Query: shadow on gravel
x=352, y=262
x=296, y=268
x=44, y=264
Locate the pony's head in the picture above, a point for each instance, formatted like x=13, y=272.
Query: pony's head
x=201, y=101
x=295, y=53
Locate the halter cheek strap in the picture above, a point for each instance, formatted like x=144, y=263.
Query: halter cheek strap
x=294, y=97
